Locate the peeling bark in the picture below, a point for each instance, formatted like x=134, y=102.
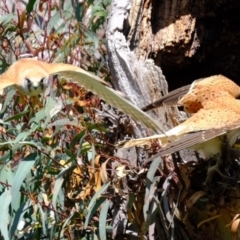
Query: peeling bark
x=139, y=79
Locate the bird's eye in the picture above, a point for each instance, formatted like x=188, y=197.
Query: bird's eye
x=42, y=81
x=28, y=81
x=42, y=85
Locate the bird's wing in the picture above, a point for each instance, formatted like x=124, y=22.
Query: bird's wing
x=8, y=78
x=187, y=141
x=205, y=124
x=170, y=99
x=92, y=83
x=5, y=82
x=192, y=139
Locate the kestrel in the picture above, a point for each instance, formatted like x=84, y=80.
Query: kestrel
x=216, y=113
x=31, y=77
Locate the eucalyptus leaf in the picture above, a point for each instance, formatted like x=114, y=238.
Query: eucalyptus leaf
x=18, y=217
x=30, y=5
x=95, y=203
x=93, y=210
x=58, y=185
x=17, y=116
x=98, y=194
x=65, y=224
x=6, y=175
x=103, y=220
x=150, y=180
x=6, y=18
x=8, y=98
x=5, y=200
x=77, y=139
x=23, y=169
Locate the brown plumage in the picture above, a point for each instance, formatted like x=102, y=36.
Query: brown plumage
x=191, y=96
x=206, y=90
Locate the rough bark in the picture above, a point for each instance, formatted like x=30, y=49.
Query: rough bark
x=139, y=79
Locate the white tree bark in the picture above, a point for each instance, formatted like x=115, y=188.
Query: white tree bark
x=136, y=76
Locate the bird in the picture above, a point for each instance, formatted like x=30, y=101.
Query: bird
x=31, y=77
x=189, y=96
x=216, y=114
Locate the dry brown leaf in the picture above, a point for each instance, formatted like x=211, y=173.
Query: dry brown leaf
x=62, y=162
x=191, y=201
x=86, y=191
x=22, y=99
x=97, y=176
x=90, y=185
x=208, y=219
x=74, y=183
x=77, y=173
x=184, y=171
x=131, y=217
x=103, y=171
x=234, y=224
x=67, y=87
x=2, y=130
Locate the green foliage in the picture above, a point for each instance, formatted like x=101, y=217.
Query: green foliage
x=35, y=164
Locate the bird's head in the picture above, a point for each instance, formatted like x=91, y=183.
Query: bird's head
x=33, y=80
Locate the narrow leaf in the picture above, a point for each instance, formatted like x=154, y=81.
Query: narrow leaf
x=95, y=203
x=23, y=169
x=5, y=200
x=150, y=175
x=8, y=98
x=93, y=210
x=64, y=225
x=98, y=194
x=18, y=217
x=44, y=219
x=103, y=220
x=17, y=116
x=77, y=138
x=30, y=5
x=21, y=136
x=58, y=185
